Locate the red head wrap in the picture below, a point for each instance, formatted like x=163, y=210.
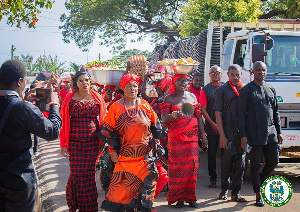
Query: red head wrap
x=174, y=79
x=110, y=86
x=129, y=78
x=165, y=83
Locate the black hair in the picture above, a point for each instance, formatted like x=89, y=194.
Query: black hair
x=77, y=75
x=198, y=74
x=234, y=67
x=11, y=71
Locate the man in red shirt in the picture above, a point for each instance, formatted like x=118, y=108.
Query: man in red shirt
x=195, y=86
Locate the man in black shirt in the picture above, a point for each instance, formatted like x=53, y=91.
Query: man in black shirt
x=260, y=126
x=18, y=181
x=207, y=101
x=232, y=155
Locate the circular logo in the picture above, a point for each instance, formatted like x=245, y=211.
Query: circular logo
x=276, y=191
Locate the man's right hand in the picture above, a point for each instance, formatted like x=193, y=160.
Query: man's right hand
x=244, y=142
x=53, y=97
x=223, y=142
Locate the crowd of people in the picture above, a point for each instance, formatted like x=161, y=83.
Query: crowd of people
x=152, y=143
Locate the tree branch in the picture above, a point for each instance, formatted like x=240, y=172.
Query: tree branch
x=272, y=14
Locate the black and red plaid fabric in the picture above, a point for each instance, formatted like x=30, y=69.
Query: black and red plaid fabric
x=81, y=191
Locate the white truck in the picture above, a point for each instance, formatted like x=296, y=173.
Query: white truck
x=277, y=43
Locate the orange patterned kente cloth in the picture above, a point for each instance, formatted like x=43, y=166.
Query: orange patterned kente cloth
x=183, y=152
x=132, y=127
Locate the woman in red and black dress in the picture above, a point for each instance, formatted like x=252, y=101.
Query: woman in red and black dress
x=82, y=113
x=183, y=145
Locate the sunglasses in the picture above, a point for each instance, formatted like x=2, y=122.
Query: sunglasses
x=66, y=81
x=84, y=81
x=215, y=73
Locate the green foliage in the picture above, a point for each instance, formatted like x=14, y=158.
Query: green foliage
x=27, y=60
x=198, y=13
x=126, y=54
x=47, y=64
x=112, y=20
x=121, y=59
x=18, y=11
x=286, y=9
x=74, y=67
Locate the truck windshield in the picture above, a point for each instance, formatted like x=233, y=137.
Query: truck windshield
x=284, y=57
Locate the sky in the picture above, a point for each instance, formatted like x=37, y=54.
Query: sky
x=47, y=39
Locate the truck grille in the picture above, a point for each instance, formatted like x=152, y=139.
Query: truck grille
x=294, y=123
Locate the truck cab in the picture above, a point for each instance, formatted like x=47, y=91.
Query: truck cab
x=282, y=58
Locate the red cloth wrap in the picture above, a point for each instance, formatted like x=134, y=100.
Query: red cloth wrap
x=174, y=79
x=129, y=78
x=64, y=135
x=163, y=85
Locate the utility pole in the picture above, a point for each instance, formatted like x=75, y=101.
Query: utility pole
x=99, y=56
x=12, y=51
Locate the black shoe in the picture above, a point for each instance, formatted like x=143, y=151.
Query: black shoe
x=213, y=184
x=260, y=202
x=179, y=205
x=193, y=204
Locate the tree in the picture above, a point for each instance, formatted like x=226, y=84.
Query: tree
x=47, y=64
x=74, y=67
x=18, y=11
x=115, y=19
x=126, y=54
x=286, y=9
x=27, y=60
x=198, y=13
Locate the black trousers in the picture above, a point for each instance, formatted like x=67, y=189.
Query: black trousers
x=17, y=201
x=232, y=168
x=270, y=152
x=213, y=143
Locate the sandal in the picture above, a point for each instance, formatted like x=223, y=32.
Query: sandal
x=223, y=195
x=238, y=198
x=179, y=205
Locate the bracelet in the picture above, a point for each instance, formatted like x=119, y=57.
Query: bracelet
x=54, y=103
x=111, y=150
x=204, y=135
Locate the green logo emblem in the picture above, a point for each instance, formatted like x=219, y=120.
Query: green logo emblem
x=276, y=191
x=279, y=99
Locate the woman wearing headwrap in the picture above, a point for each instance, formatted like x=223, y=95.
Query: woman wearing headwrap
x=82, y=114
x=132, y=130
x=183, y=145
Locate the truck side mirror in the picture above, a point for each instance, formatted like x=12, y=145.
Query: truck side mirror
x=270, y=42
x=258, y=52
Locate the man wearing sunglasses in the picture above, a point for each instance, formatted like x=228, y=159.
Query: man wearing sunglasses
x=207, y=101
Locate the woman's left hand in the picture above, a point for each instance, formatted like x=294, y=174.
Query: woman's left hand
x=114, y=157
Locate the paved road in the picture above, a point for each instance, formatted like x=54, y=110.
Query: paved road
x=53, y=172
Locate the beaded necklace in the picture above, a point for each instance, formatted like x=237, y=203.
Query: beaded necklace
x=137, y=109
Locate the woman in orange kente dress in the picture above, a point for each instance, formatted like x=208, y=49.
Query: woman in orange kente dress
x=183, y=145
x=82, y=113
x=132, y=130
